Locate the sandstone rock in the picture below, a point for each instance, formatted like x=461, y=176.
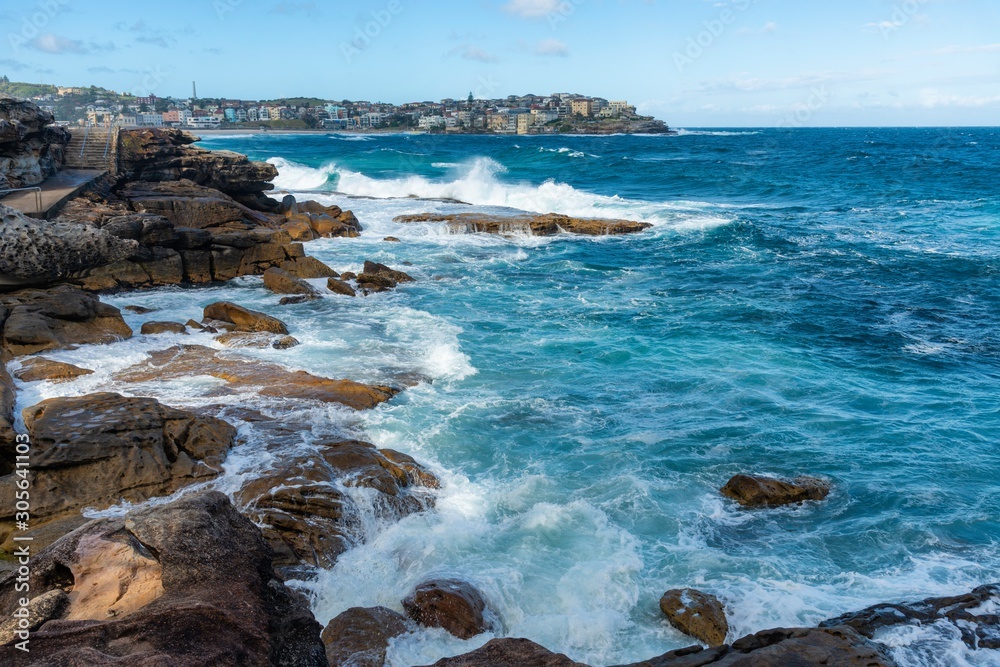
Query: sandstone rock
x=537, y=225
x=308, y=268
x=244, y=318
x=31, y=148
x=152, y=328
x=359, y=637
x=757, y=491
x=371, y=283
x=36, y=252
x=285, y=343
x=509, y=653
x=282, y=282
x=696, y=614
x=189, y=583
x=189, y=205
x=97, y=450
x=450, y=604
x=8, y=399
x=40, y=609
x=37, y=320
x=37, y=369
x=340, y=287
x=300, y=228
x=373, y=268
x=257, y=341
x=268, y=379
x=293, y=300
x=348, y=275
x=391, y=239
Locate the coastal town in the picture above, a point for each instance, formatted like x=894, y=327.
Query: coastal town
x=558, y=113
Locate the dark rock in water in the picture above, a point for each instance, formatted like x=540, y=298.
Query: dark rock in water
x=36, y=320
x=37, y=252
x=538, y=225
x=37, y=369
x=450, y=604
x=782, y=647
x=294, y=300
x=978, y=629
x=285, y=343
x=756, y=491
x=244, y=319
x=509, y=653
x=696, y=614
x=370, y=283
x=8, y=399
x=360, y=637
x=376, y=269
x=97, y=450
x=391, y=239
x=189, y=584
x=282, y=282
x=348, y=275
x=340, y=287
x=140, y=310
x=152, y=328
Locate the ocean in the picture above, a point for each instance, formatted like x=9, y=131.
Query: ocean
x=809, y=301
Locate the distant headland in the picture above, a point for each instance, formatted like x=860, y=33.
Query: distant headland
x=558, y=113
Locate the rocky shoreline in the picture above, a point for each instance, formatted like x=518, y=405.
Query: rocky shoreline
x=197, y=577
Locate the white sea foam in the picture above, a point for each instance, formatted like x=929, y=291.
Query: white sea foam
x=714, y=133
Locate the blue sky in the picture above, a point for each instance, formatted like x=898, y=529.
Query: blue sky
x=689, y=62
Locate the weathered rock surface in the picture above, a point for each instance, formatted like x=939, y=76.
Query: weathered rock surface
x=267, y=379
x=757, y=491
x=309, y=220
x=340, y=287
x=37, y=369
x=185, y=584
x=536, y=224
x=36, y=320
x=153, y=328
x=359, y=637
x=8, y=398
x=975, y=615
x=244, y=319
x=97, y=450
x=696, y=614
x=280, y=281
x=308, y=268
x=37, y=252
x=509, y=653
x=450, y=604
x=31, y=148
x=380, y=278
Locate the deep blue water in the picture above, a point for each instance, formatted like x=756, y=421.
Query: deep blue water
x=820, y=302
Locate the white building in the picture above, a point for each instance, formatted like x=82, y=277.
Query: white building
x=149, y=119
x=431, y=122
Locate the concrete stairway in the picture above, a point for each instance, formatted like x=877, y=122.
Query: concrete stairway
x=87, y=150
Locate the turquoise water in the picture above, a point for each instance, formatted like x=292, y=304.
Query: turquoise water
x=820, y=302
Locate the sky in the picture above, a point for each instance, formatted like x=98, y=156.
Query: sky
x=691, y=63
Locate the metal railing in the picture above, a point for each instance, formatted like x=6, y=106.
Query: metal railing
x=86, y=135
x=36, y=190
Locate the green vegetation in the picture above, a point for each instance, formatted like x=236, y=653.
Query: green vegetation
x=18, y=89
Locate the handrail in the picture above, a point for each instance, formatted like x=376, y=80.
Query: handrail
x=37, y=191
x=107, y=144
x=86, y=134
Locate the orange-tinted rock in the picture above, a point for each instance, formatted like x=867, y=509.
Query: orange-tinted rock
x=37, y=369
x=450, y=604
x=696, y=614
x=244, y=319
x=757, y=491
x=340, y=287
x=539, y=225
x=360, y=637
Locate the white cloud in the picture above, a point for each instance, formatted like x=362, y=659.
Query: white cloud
x=931, y=99
x=50, y=43
x=552, y=47
x=470, y=52
x=532, y=9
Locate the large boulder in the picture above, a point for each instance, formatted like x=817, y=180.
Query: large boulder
x=380, y=278
x=451, y=604
x=360, y=637
x=35, y=320
x=244, y=319
x=756, y=491
x=31, y=148
x=37, y=252
x=280, y=281
x=509, y=653
x=696, y=614
x=38, y=369
x=528, y=223
x=188, y=584
x=266, y=379
x=98, y=450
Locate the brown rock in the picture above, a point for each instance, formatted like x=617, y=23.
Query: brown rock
x=269, y=379
x=282, y=282
x=370, y=283
x=152, y=328
x=696, y=614
x=391, y=239
x=376, y=269
x=359, y=637
x=450, y=604
x=57, y=318
x=300, y=228
x=189, y=584
x=308, y=268
x=757, y=491
x=348, y=275
x=256, y=341
x=140, y=310
x=340, y=287
x=509, y=653
x=285, y=343
x=37, y=369
x=294, y=300
x=244, y=318
x=537, y=225
x=8, y=399
x=97, y=450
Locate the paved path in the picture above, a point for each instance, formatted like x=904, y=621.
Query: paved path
x=56, y=191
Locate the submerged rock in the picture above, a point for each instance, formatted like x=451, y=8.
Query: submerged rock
x=451, y=604
x=696, y=614
x=536, y=224
x=38, y=369
x=757, y=491
x=266, y=378
x=188, y=583
x=360, y=637
x=509, y=653
x=153, y=328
